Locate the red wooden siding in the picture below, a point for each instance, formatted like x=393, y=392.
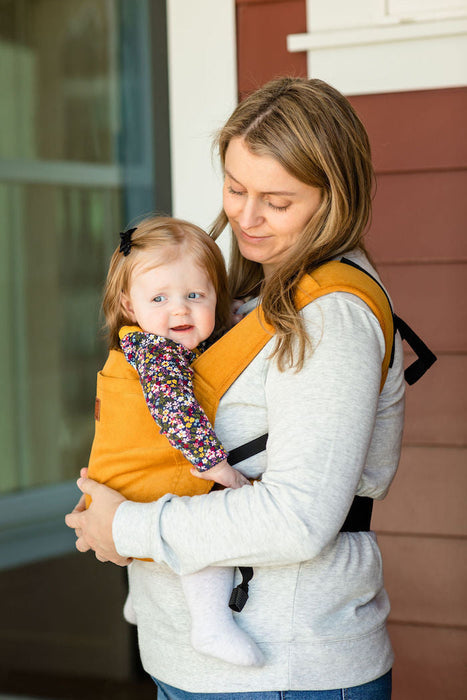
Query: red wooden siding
x=420, y=202
x=433, y=469
x=416, y=131
x=418, y=240
x=262, y=29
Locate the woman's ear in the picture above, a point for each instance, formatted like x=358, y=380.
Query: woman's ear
x=127, y=307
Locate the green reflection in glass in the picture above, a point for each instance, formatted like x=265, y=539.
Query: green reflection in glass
x=60, y=80
x=76, y=163
x=51, y=281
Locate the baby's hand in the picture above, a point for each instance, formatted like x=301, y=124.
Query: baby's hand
x=223, y=474
x=236, y=317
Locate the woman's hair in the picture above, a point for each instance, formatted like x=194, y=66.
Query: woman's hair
x=173, y=237
x=312, y=131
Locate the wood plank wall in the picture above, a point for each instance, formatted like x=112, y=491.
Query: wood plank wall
x=418, y=240
x=262, y=29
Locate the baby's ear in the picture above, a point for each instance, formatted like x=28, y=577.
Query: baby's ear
x=127, y=307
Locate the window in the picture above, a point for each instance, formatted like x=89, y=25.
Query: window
x=76, y=164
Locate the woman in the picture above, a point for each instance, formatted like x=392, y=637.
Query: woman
x=297, y=193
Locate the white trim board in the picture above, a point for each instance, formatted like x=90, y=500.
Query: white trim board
x=203, y=93
x=374, y=51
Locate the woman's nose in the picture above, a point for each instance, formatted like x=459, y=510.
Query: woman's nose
x=250, y=215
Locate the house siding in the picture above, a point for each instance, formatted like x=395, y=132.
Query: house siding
x=418, y=240
x=262, y=29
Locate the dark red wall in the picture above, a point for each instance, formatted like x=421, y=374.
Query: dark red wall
x=418, y=239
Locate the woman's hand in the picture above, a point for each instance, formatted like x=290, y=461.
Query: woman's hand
x=93, y=526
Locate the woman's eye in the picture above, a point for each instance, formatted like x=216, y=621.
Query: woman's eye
x=231, y=190
x=159, y=298
x=194, y=295
x=273, y=206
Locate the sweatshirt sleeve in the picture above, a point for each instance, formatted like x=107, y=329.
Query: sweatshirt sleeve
x=320, y=423
x=166, y=378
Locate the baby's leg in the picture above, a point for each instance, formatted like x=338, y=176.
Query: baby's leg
x=128, y=609
x=213, y=629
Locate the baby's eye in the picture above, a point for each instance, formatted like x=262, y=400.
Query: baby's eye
x=194, y=295
x=159, y=298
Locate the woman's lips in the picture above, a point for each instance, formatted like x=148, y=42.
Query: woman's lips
x=252, y=239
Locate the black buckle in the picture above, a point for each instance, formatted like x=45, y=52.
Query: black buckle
x=239, y=594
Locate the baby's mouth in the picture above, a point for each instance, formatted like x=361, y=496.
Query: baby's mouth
x=182, y=328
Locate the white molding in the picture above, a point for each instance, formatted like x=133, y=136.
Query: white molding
x=374, y=49
x=376, y=34
x=60, y=173
x=74, y=173
x=203, y=92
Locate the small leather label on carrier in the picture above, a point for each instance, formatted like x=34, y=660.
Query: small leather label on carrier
x=97, y=409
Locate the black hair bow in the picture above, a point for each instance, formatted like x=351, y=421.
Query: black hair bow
x=125, y=241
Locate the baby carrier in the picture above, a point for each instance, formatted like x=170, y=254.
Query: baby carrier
x=153, y=467
x=218, y=367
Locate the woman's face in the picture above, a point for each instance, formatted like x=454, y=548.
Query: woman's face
x=267, y=207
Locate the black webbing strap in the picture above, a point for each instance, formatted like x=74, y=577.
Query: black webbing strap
x=425, y=358
x=239, y=595
x=359, y=516
x=249, y=449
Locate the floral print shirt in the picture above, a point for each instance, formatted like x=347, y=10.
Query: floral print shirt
x=166, y=378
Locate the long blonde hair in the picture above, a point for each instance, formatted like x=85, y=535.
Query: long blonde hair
x=315, y=135
x=158, y=234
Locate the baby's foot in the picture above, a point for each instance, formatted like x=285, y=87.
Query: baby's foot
x=230, y=644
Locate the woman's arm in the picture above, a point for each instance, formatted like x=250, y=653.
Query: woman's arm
x=321, y=422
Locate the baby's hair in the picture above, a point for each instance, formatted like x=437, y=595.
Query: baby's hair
x=175, y=236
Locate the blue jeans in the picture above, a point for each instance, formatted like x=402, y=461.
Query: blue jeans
x=380, y=689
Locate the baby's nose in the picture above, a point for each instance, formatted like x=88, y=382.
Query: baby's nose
x=180, y=308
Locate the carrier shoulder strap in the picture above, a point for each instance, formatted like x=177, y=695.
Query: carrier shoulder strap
x=219, y=366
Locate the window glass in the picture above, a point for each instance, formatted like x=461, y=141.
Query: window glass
x=60, y=79
x=67, y=153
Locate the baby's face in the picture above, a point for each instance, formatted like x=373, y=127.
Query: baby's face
x=173, y=299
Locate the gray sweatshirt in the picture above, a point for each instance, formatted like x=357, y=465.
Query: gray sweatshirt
x=317, y=605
